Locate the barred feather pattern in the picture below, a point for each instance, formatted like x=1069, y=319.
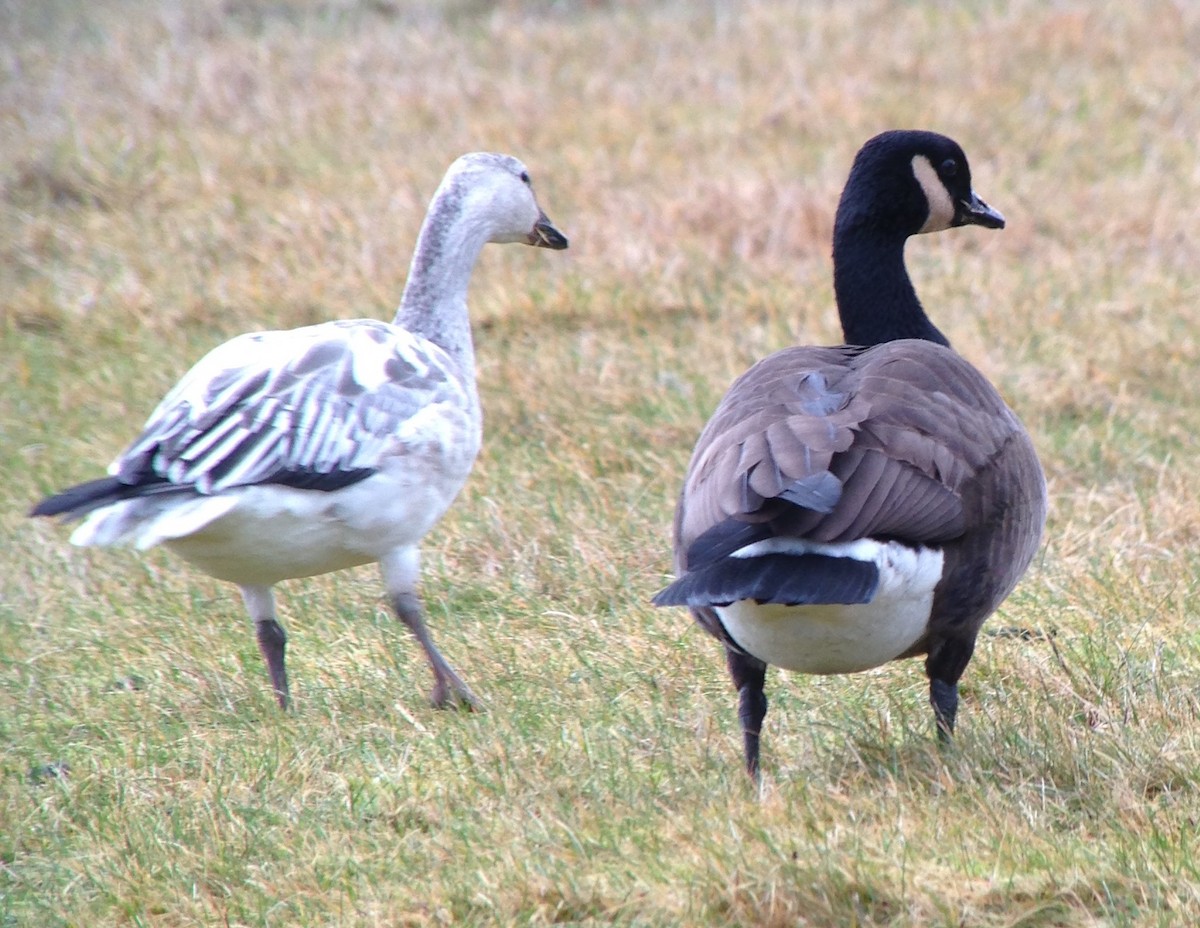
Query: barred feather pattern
x=296, y=406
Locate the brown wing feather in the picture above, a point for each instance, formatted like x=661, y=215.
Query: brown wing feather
x=911, y=430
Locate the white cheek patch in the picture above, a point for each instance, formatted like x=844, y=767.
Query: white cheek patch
x=941, y=206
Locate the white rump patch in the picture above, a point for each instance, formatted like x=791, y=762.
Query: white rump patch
x=827, y=639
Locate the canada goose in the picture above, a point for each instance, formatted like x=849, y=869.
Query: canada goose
x=294, y=453
x=849, y=506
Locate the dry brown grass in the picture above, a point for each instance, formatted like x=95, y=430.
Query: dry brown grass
x=173, y=174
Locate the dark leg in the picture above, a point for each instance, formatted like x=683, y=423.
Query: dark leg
x=947, y=660
x=749, y=676
x=401, y=569
x=449, y=691
x=272, y=639
x=944, y=699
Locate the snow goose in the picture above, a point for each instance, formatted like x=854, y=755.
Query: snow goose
x=294, y=453
x=848, y=506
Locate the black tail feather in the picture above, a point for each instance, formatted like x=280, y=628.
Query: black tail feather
x=784, y=579
x=76, y=502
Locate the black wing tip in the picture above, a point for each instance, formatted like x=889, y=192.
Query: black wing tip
x=819, y=492
x=77, y=501
x=80, y=499
x=776, y=579
x=669, y=596
x=46, y=507
x=722, y=539
x=323, y=481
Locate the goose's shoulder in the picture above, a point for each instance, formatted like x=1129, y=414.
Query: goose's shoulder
x=353, y=355
x=807, y=371
x=911, y=382
x=918, y=367
x=923, y=395
x=333, y=362
x=795, y=384
x=798, y=368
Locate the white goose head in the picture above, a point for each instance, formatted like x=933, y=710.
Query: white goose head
x=496, y=191
x=484, y=197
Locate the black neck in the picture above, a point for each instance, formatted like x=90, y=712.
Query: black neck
x=875, y=297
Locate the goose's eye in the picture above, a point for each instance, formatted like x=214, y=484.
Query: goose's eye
x=525, y=177
x=949, y=168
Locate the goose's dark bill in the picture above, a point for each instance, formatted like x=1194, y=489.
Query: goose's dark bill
x=974, y=212
x=545, y=235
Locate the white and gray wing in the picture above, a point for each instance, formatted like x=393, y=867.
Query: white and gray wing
x=315, y=408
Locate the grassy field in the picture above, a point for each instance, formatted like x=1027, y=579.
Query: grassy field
x=172, y=174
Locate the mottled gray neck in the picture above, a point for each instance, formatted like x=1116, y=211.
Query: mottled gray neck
x=434, y=304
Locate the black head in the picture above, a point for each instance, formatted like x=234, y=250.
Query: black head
x=903, y=182
x=906, y=181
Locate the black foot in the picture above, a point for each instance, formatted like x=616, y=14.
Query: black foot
x=948, y=658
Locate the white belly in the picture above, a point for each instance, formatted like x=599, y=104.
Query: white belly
x=277, y=533
x=826, y=639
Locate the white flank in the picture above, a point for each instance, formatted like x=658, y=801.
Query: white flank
x=830, y=639
x=149, y=520
x=274, y=533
